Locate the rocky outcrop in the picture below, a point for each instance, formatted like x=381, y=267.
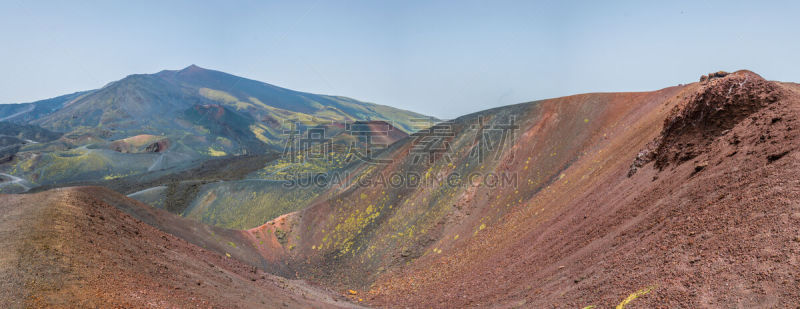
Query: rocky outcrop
x=141, y=143
x=710, y=76
x=721, y=101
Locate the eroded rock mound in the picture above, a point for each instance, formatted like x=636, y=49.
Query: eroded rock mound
x=721, y=101
x=141, y=143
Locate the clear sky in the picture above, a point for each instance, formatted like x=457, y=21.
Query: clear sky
x=444, y=58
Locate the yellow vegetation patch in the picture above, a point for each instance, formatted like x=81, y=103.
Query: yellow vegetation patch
x=634, y=296
x=217, y=95
x=71, y=162
x=115, y=176
x=346, y=231
x=259, y=103
x=216, y=153
x=259, y=130
x=224, y=97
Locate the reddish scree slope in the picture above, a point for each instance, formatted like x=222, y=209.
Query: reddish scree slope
x=713, y=222
x=686, y=193
x=68, y=248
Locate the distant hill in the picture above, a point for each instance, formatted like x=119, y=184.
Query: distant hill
x=26, y=112
x=174, y=118
x=27, y=133
x=162, y=104
x=14, y=136
x=155, y=100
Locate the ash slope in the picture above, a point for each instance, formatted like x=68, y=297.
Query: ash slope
x=71, y=248
x=679, y=197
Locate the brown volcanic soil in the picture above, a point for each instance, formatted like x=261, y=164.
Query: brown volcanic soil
x=717, y=228
x=68, y=248
x=688, y=194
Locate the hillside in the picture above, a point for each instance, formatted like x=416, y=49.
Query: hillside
x=153, y=101
x=173, y=120
x=258, y=195
x=70, y=248
x=683, y=230
x=27, y=112
x=13, y=139
x=14, y=136
x=713, y=198
x=681, y=197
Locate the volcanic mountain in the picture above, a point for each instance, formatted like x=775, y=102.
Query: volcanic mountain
x=681, y=197
x=174, y=119
x=151, y=99
x=151, y=104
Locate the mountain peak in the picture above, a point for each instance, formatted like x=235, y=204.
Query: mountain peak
x=192, y=67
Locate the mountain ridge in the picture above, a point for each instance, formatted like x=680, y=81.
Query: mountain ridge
x=194, y=113
x=200, y=77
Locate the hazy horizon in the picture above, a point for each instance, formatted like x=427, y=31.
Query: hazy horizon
x=435, y=58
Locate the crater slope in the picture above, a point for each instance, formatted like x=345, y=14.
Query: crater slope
x=73, y=247
x=679, y=197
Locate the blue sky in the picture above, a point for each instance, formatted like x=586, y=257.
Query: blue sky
x=444, y=58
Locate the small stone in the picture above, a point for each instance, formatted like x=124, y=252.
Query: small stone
x=700, y=166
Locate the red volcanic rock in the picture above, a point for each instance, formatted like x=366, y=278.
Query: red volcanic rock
x=711, y=76
x=140, y=143
x=718, y=105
